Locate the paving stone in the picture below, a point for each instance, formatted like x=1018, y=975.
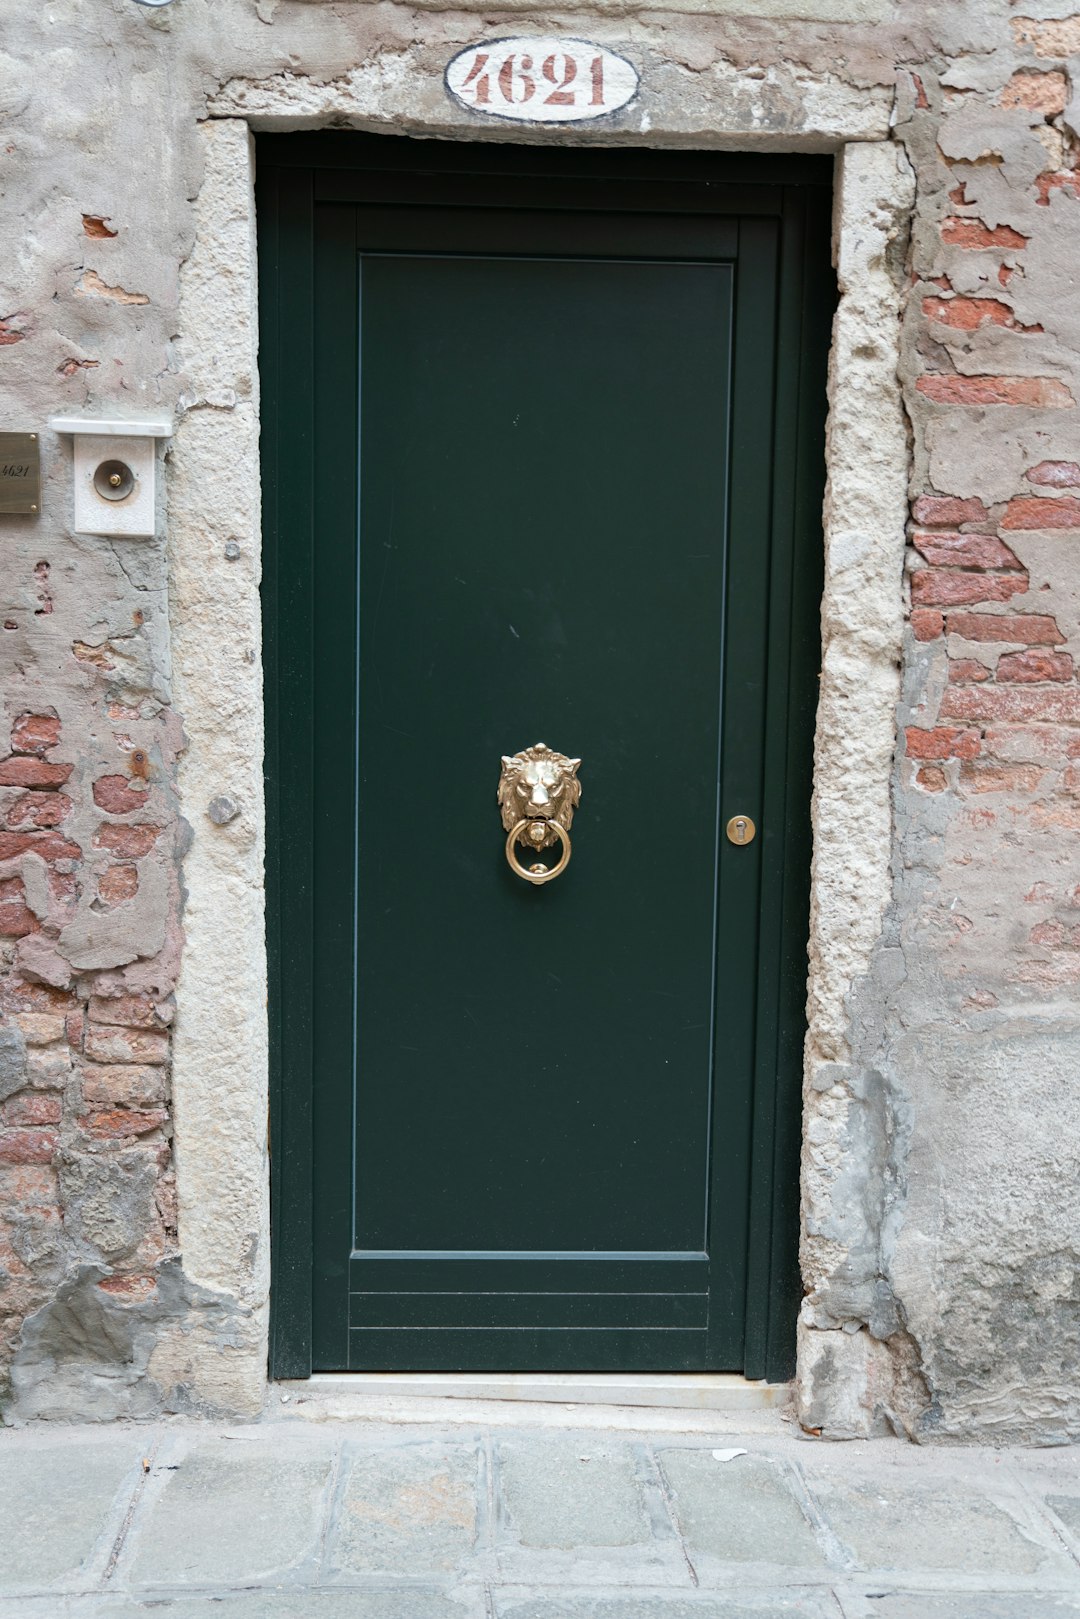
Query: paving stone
x=568, y=1494
x=742, y=1511
x=667, y=1605
x=409, y=1509
x=895, y=1525
x=1067, y=1508
x=417, y=1602
x=230, y=1513
x=57, y=1502
x=960, y=1605
x=579, y=1508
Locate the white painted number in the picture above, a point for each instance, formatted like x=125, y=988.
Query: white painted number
x=541, y=80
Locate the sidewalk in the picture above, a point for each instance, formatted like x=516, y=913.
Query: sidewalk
x=293, y=1519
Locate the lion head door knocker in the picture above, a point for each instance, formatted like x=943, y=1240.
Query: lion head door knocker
x=538, y=794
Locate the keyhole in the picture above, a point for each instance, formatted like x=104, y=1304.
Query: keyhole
x=741, y=829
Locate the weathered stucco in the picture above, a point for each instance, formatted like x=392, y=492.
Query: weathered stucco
x=844, y=1145
x=939, y=1223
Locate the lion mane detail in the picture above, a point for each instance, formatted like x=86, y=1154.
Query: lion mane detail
x=539, y=785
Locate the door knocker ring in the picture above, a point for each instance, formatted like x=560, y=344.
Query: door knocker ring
x=538, y=793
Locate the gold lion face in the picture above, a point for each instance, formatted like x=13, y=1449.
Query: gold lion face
x=539, y=785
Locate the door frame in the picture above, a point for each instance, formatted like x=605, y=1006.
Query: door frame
x=220, y=1079
x=791, y=195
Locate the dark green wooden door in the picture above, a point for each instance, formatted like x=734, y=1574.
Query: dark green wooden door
x=540, y=466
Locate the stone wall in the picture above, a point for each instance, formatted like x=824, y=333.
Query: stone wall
x=940, y=1243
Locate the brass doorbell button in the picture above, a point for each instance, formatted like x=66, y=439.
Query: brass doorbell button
x=114, y=480
x=741, y=829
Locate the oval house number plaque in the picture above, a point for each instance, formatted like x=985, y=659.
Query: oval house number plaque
x=538, y=79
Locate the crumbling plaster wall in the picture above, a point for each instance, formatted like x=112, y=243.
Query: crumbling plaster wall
x=939, y=1242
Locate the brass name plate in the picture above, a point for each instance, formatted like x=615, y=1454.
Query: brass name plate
x=20, y=473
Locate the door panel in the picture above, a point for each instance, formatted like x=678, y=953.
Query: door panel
x=541, y=505
x=541, y=534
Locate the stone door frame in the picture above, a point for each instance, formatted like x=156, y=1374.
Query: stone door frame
x=220, y=1074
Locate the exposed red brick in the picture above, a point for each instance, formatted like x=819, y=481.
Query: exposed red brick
x=1055, y=474
x=74, y=1029
x=116, y=1123
x=921, y=101
x=1064, y=180
x=49, y=845
x=127, y=840
x=1033, y=629
x=129, y=1289
x=1037, y=92
x=16, y=917
x=1054, y=816
x=945, y=742
x=1042, y=511
x=947, y=548
x=96, y=225
x=28, y=1187
x=934, y=587
x=1005, y=274
x=1030, y=743
x=13, y=327
x=96, y=656
x=1035, y=666
x=973, y=233
x=947, y=388
x=110, y=1045
x=1056, y=704
x=123, y=1084
x=125, y=1011
x=993, y=778
x=32, y=1107
x=948, y=511
x=24, y=770
x=926, y=624
x=17, y=920
x=931, y=778
x=18, y=996
x=118, y=883
x=37, y=808
x=65, y=893
x=35, y=733
x=28, y=1146
x=967, y=314
x=967, y=669
x=41, y=1028
x=1057, y=36
x=117, y=796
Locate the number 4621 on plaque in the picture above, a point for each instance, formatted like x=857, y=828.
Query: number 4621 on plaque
x=540, y=80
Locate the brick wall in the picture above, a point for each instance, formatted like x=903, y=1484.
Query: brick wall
x=85, y=1154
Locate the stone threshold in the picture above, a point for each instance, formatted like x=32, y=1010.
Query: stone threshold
x=709, y=1402
x=711, y=1391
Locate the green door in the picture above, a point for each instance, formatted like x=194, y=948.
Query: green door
x=542, y=461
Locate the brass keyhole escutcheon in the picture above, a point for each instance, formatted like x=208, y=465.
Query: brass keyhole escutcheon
x=741, y=829
x=538, y=794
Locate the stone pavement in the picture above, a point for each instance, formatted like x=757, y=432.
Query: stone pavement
x=292, y=1519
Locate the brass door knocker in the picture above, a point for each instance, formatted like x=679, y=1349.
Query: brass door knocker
x=538, y=794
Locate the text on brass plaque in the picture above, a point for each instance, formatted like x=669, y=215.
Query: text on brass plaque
x=20, y=473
